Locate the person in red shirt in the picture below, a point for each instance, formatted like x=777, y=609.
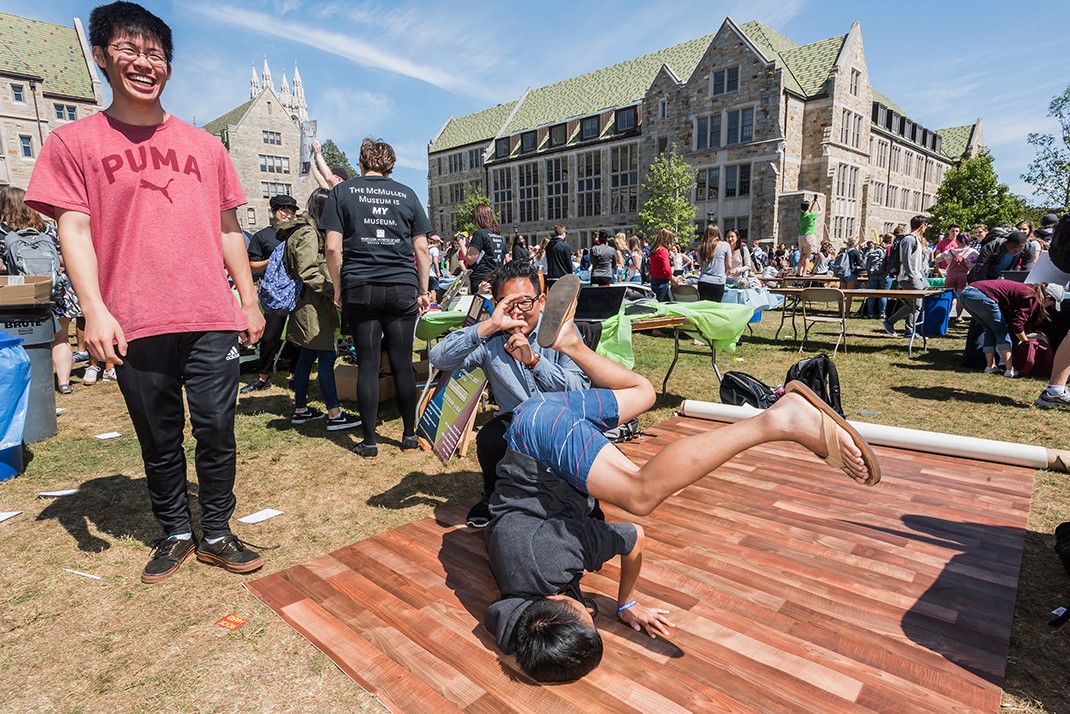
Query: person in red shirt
x=146, y=206
x=1005, y=308
x=660, y=265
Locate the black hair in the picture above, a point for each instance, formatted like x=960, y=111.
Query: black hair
x=106, y=21
x=1016, y=237
x=316, y=201
x=511, y=271
x=805, y=206
x=552, y=645
x=917, y=222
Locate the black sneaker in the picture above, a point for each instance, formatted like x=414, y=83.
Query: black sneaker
x=229, y=553
x=255, y=386
x=479, y=515
x=309, y=414
x=340, y=422
x=409, y=443
x=368, y=451
x=167, y=554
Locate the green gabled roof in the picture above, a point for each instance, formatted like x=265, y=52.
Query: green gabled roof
x=51, y=52
x=773, y=45
x=217, y=126
x=619, y=85
x=481, y=126
x=808, y=66
x=881, y=98
x=955, y=140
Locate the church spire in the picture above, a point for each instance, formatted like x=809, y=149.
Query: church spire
x=267, y=75
x=285, y=85
x=254, y=85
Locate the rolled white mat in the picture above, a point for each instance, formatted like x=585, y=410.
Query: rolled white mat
x=1000, y=452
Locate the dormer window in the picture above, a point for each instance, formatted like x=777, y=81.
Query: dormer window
x=589, y=128
x=558, y=135
x=527, y=142
x=627, y=119
x=501, y=148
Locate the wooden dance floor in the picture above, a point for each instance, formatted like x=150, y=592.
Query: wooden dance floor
x=793, y=590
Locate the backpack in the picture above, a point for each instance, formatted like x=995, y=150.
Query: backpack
x=819, y=374
x=278, y=292
x=644, y=269
x=841, y=266
x=31, y=252
x=1032, y=359
x=876, y=261
x=895, y=258
x=740, y=389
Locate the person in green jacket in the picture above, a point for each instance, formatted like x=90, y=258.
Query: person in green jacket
x=314, y=320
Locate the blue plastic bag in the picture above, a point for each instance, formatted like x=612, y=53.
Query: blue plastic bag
x=14, y=390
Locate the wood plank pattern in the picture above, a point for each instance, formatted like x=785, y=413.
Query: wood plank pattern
x=793, y=589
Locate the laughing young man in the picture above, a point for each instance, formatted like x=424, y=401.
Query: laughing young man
x=146, y=206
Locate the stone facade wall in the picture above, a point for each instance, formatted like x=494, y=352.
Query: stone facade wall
x=24, y=119
x=245, y=142
x=799, y=147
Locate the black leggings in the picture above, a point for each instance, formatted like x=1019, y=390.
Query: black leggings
x=374, y=312
x=711, y=291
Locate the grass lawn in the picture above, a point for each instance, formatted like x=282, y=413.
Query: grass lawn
x=72, y=644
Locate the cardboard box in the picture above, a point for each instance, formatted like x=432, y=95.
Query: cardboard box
x=345, y=379
x=25, y=289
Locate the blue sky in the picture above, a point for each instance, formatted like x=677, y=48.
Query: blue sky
x=399, y=69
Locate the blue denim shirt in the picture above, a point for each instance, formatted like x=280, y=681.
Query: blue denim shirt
x=510, y=380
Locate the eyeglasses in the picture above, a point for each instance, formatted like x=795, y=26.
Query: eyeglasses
x=128, y=52
x=526, y=303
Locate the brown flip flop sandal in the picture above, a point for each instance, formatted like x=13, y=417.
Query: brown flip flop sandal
x=829, y=421
x=560, y=307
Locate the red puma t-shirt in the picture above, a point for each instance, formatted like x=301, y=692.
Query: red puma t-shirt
x=154, y=195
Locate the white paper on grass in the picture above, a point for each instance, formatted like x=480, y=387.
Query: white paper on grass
x=60, y=410
x=57, y=494
x=109, y=435
x=4, y=515
x=261, y=515
x=1059, y=611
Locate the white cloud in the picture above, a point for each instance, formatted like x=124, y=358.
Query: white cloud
x=348, y=45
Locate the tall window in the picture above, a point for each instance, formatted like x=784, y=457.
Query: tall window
x=882, y=154
x=878, y=194
x=66, y=112
x=845, y=126
x=624, y=179
x=26, y=146
x=707, y=184
x=18, y=94
x=556, y=189
x=737, y=180
x=856, y=80
x=589, y=128
x=527, y=185
x=455, y=162
x=740, y=127
x=856, y=131
x=502, y=193
x=724, y=81
x=250, y=216
x=897, y=154
x=475, y=158
x=501, y=148
x=589, y=184
x=708, y=132
x=456, y=193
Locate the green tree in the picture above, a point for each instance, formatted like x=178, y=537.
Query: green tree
x=1049, y=172
x=336, y=157
x=668, y=187
x=473, y=196
x=970, y=194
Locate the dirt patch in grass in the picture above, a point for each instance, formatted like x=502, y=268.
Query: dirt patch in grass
x=73, y=644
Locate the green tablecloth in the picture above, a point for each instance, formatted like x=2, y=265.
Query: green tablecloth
x=717, y=324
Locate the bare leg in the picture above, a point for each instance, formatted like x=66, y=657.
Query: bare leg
x=614, y=478
x=639, y=490
x=62, y=358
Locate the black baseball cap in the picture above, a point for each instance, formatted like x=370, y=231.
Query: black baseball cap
x=282, y=201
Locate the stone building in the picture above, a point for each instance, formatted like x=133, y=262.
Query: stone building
x=263, y=136
x=47, y=78
x=764, y=121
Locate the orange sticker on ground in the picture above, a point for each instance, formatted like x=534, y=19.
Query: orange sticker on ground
x=231, y=622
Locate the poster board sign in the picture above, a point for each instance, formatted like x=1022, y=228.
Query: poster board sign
x=308, y=135
x=448, y=414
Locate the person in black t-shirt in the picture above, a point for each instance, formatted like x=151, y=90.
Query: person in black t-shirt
x=486, y=249
x=558, y=255
x=379, y=261
x=261, y=245
x=520, y=249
